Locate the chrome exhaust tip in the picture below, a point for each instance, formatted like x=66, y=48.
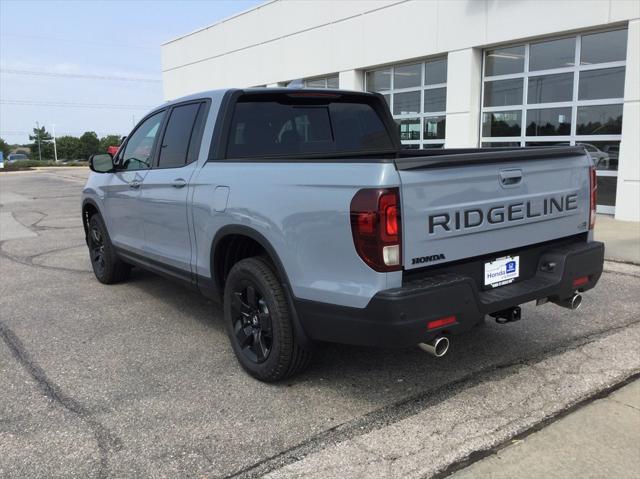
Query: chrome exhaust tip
x=573, y=302
x=437, y=347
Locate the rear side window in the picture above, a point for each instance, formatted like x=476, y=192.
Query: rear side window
x=176, y=142
x=293, y=128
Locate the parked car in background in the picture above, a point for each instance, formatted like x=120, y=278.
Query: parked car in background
x=599, y=157
x=13, y=157
x=113, y=150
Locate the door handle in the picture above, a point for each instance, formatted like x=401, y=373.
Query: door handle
x=134, y=184
x=179, y=183
x=510, y=177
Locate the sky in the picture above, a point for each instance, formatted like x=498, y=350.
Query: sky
x=52, y=51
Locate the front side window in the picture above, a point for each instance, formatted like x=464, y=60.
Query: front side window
x=178, y=135
x=138, y=152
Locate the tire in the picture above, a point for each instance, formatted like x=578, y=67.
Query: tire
x=107, y=267
x=258, y=321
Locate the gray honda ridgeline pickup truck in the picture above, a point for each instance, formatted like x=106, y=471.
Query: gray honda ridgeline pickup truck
x=300, y=211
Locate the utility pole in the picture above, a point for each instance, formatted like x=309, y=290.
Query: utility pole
x=55, y=148
x=38, y=135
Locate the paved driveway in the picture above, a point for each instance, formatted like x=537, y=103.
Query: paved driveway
x=138, y=379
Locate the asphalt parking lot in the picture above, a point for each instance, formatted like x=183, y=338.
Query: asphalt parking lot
x=138, y=379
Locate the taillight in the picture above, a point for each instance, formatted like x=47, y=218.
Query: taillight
x=376, y=228
x=593, y=183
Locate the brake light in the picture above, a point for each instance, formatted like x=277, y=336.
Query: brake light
x=375, y=225
x=593, y=183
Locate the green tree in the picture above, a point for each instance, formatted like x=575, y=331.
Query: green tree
x=46, y=144
x=109, y=140
x=68, y=147
x=89, y=144
x=4, y=147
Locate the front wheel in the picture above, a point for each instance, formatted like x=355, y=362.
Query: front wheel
x=107, y=267
x=258, y=322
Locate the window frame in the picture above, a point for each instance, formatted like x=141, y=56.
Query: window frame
x=324, y=79
x=198, y=129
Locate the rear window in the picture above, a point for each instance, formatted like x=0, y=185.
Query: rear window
x=268, y=128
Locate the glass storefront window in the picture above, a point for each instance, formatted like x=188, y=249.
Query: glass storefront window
x=407, y=103
x=547, y=143
x=552, y=54
x=435, y=99
x=409, y=129
x=580, y=105
x=550, y=88
x=435, y=71
x=434, y=127
x=378, y=80
x=604, y=47
x=417, y=96
x=407, y=76
x=599, y=84
x=599, y=120
x=500, y=144
x=324, y=82
x=503, y=92
x=604, y=153
x=503, y=123
x=549, y=122
x=607, y=186
x=503, y=61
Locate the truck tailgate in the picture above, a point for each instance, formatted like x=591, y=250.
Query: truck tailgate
x=457, y=206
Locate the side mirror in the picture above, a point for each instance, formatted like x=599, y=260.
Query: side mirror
x=102, y=163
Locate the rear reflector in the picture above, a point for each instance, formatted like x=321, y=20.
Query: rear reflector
x=438, y=323
x=582, y=280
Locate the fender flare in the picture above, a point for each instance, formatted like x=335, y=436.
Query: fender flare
x=273, y=255
x=85, y=202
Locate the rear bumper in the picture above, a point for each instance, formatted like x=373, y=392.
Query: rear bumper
x=398, y=317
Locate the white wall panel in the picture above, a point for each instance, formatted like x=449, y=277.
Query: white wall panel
x=628, y=188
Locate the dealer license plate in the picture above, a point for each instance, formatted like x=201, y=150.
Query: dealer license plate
x=501, y=271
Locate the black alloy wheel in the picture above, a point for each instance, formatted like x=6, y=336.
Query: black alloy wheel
x=251, y=319
x=96, y=250
x=259, y=323
x=106, y=264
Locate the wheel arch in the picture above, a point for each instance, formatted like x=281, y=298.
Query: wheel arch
x=221, y=244
x=219, y=248
x=89, y=208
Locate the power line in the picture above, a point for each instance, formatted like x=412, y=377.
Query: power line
x=60, y=104
x=78, y=75
x=77, y=41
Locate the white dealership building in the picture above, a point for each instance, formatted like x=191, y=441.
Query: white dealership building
x=456, y=73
